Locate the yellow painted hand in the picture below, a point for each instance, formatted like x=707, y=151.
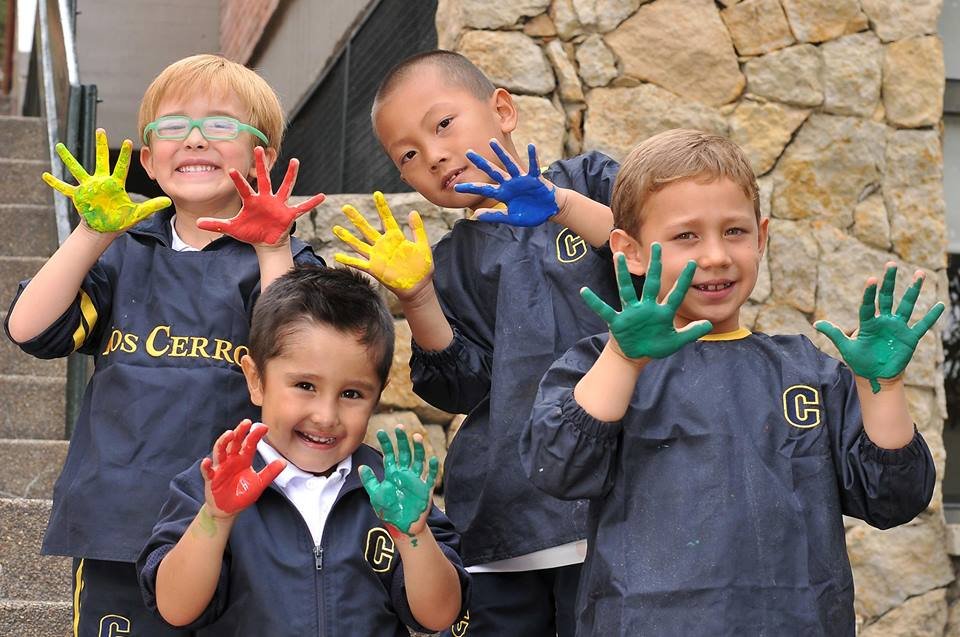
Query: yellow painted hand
x=101, y=198
x=391, y=258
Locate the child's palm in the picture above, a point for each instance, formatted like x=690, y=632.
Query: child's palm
x=884, y=343
x=644, y=327
x=391, y=258
x=233, y=483
x=403, y=497
x=101, y=198
x=530, y=202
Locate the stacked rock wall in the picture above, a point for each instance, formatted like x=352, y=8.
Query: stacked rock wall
x=838, y=105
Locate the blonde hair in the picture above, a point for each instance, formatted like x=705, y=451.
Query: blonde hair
x=675, y=155
x=213, y=74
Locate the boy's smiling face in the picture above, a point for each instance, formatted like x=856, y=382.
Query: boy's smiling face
x=193, y=171
x=712, y=223
x=316, y=396
x=426, y=124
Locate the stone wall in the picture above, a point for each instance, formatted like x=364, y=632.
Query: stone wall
x=838, y=105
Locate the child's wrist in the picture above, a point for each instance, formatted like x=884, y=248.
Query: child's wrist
x=562, y=198
x=614, y=348
x=886, y=384
x=97, y=239
x=420, y=295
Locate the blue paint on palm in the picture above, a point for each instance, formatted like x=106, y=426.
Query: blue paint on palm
x=530, y=202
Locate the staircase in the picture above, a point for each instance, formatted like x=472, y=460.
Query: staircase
x=35, y=591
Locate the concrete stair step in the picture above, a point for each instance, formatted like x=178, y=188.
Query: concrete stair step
x=28, y=230
x=23, y=138
x=15, y=361
x=30, y=467
x=36, y=619
x=21, y=183
x=34, y=407
x=24, y=573
x=12, y=271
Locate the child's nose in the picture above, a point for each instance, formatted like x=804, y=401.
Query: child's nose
x=713, y=254
x=195, y=138
x=437, y=157
x=324, y=413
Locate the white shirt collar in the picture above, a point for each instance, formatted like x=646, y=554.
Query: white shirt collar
x=176, y=243
x=292, y=472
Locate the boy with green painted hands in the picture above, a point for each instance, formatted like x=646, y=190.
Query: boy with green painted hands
x=718, y=463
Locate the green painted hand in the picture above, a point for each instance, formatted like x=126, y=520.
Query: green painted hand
x=403, y=497
x=645, y=327
x=884, y=343
x=101, y=198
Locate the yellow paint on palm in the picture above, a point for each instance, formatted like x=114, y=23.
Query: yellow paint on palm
x=101, y=198
x=392, y=259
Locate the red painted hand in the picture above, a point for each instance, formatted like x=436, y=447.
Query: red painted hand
x=265, y=217
x=232, y=483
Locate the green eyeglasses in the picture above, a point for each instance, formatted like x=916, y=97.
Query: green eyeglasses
x=213, y=128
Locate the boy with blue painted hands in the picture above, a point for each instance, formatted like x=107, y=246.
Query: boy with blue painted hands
x=718, y=463
x=273, y=534
x=490, y=309
x=163, y=305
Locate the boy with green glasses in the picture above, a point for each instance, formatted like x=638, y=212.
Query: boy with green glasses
x=161, y=294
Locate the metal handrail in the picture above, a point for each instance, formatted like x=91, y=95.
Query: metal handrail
x=69, y=110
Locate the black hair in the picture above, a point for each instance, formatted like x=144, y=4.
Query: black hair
x=340, y=298
x=456, y=69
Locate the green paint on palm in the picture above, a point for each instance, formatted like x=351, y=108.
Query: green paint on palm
x=101, y=198
x=884, y=343
x=403, y=496
x=644, y=327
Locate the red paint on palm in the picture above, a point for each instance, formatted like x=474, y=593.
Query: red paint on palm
x=264, y=217
x=233, y=482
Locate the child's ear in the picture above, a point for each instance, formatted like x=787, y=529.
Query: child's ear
x=506, y=110
x=254, y=380
x=764, y=232
x=637, y=259
x=146, y=160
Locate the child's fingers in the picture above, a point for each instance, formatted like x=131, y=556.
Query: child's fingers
x=831, y=331
x=679, y=290
x=123, y=162
x=403, y=448
x=72, y=164
x=386, y=215
x=269, y=473
x=213, y=224
x=368, y=479
x=220, y=447
x=534, y=165
x=311, y=203
x=505, y=158
x=868, y=307
x=240, y=183
x=695, y=330
x=433, y=465
x=909, y=300
x=628, y=293
x=419, y=232
x=651, y=283
x=56, y=184
x=250, y=442
x=206, y=469
x=386, y=447
x=484, y=190
x=147, y=208
x=263, y=177
x=353, y=262
x=599, y=307
x=102, y=167
x=928, y=320
x=885, y=297
x=351, y=240
x=418, y=454
x=480, y=162
x=358, y=220
x=289, y=179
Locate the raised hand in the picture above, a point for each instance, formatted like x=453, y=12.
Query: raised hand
x=529, y=200
x=403, y=498
x=884, y=343
x=391, y=258
x=264, y=217
x=101, y=198
x=232, y=482
x=645, y=327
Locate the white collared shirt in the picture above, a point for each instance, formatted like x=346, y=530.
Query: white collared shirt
x=313, y=495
